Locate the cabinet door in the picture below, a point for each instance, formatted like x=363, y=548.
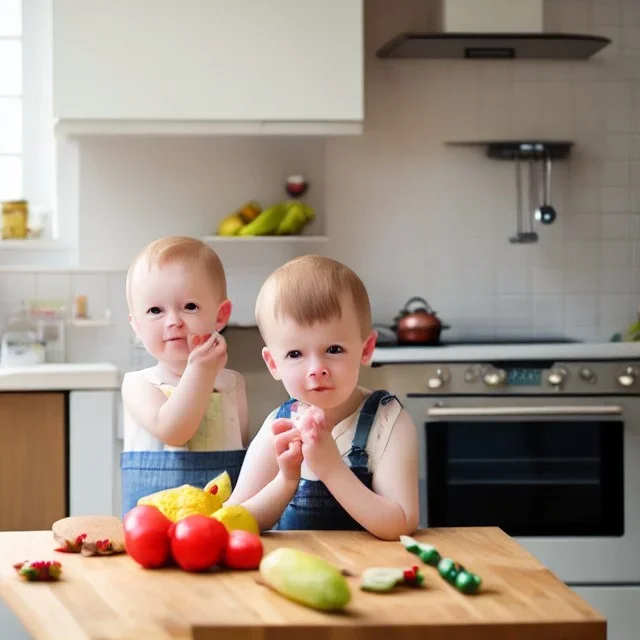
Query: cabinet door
x=33, y=486
x=208, y=60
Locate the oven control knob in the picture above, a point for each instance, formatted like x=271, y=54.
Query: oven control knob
x=470, y=375
x=435, y=382
x=587, y=375
x=557, y=377
x=495, y=377
x=627, y=376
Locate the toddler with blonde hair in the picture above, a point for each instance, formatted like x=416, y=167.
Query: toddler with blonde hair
x=335, y=455
x=186, y=417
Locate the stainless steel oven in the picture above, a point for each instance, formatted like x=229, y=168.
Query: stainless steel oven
x=548, y=450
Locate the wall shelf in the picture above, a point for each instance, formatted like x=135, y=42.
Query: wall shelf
x=264, y=239
x=105, y=321
x=33, y=244
x=523, y=149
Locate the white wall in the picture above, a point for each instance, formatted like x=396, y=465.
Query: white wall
x=412, y=216
x=133, y=190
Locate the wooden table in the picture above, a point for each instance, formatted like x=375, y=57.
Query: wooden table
x=112, y=598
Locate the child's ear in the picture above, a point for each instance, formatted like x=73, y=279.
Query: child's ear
x=369, y=346
x=224, y=313
x=271, y=363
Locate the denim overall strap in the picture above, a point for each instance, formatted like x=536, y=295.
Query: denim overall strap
x=313, y=506
x=284, y=411
x=358, y=457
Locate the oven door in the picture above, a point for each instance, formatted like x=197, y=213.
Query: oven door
x=560, y=474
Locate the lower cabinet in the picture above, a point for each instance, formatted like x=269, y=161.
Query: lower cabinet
x=33, y=460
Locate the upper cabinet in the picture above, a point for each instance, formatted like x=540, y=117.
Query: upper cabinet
x=208, y=66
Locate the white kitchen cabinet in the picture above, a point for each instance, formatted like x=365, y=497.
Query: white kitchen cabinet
x=93, y=482
x=207, y=65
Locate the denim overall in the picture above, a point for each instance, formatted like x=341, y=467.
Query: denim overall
x=145, y=472
x=313, y=506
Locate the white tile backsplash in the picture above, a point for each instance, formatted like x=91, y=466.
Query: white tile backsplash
x=617, y=226
x=94, y=286
x=548, y=311
x=615, y=199
x=605, y=12
x=52, y=285
x=615, y=173
x=581, y=310
x=615, y=280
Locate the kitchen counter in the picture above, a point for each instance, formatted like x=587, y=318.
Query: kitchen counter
x=491, y=352
x=112, y=597
x=50, y=377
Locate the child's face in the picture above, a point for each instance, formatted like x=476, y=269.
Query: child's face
x=171, y=303
x=320, y=364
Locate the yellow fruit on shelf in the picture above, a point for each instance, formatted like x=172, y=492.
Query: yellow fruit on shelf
x=237, y=517
x=230, y=226
x=310, y=212
x=267, y=222
x=294, y=220
x=250, y=210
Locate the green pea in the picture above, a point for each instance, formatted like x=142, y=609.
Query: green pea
x=468, y=582
x=429, y=555
x=449, y=569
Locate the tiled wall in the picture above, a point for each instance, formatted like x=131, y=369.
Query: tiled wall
x=410, y=214
x=416, y=217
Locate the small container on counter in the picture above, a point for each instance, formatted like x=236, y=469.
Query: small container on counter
x=80, y=307
x=15, y=219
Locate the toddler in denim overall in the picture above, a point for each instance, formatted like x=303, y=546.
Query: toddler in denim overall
x=336, y=455
x=148, y=465
x=313, y=506
x=185, y=419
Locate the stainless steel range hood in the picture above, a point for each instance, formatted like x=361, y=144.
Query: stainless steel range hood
x=493, y=46
x=491, y=29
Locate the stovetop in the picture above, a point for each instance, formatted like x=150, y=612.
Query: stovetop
x=493, y=349
x=481, y=340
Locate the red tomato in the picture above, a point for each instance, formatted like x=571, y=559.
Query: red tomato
x=244, y=550
x=146, y=536
x=198, y=542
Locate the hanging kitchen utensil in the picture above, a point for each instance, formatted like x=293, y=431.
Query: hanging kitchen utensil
x=529, y=235
x=545, y=213
x=516, y=238
x=524, y=222
x=418, y=324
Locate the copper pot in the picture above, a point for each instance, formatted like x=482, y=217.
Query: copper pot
x=417, y=323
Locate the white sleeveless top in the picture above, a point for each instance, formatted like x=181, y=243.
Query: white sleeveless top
x=218, y=431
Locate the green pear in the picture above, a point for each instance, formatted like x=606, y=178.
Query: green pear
x=305, y=578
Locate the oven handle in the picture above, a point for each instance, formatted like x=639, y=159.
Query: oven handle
x=487, y=412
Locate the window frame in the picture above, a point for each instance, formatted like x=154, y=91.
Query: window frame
x=43, y=184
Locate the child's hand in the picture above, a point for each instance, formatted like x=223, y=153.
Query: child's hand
x=208, y=352
x=288, y=447
x=319, y=449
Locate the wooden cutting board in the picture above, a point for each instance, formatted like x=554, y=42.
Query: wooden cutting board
x=112, y=597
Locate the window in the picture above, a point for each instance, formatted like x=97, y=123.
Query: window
x=11, y=100
x=27, y=145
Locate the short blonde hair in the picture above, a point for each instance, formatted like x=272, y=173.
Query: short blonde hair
x=310, y=289
x=181, y=249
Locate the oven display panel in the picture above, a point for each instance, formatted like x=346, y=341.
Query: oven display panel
x=524, y=377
